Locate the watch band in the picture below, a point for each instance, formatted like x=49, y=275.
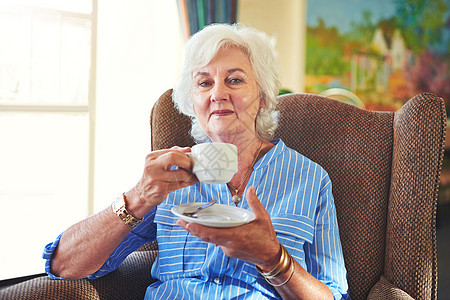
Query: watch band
x=119, y=208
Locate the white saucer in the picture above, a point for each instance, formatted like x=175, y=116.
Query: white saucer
x=218, y=215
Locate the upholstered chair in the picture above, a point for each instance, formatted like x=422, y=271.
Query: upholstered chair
x=385, y=169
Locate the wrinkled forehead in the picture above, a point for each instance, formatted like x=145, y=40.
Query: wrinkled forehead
x=226, y=60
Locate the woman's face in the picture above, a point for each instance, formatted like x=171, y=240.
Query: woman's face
x=226, y=98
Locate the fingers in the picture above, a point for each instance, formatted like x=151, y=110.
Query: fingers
x=180, y=175
x=184, y=149
x=217, y=236
x=207, y=234
x=159, y=169
x=254, y=203
x=159, y=179
x=166, y=159
x=159, y=163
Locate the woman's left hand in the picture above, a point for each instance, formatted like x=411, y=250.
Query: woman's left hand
x=255, y=242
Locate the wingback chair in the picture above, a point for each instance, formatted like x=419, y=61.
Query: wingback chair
x=385, y=170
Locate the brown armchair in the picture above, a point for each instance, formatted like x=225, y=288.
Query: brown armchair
x=385, y=170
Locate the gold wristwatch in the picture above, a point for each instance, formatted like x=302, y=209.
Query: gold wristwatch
x=119, y=208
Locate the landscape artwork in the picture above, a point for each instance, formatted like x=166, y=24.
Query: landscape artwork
x=383, y=52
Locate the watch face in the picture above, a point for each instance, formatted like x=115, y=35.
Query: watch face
x=119, y=209
x=117, y=205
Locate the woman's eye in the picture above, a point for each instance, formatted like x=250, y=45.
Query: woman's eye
x=204, y=83
x=235, y=80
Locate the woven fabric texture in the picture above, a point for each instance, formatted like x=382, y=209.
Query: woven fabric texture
x=44, y=288
x=355, y=147
x=169, y=127
x=129, y=281
x=385, y=171
x=419, y=138
x=385, y=290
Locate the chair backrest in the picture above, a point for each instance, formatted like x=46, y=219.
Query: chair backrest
x=385, y=169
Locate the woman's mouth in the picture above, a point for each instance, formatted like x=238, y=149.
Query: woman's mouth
x=222, y=113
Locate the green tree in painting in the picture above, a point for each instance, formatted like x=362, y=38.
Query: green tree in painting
x=362, y=32
x=421, y=22
x=325, y=51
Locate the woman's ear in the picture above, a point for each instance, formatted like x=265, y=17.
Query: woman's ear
x=262, y=101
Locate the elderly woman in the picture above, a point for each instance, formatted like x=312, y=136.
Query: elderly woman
x=291, y=250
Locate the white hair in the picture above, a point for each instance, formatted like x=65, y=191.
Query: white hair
x=203, y=46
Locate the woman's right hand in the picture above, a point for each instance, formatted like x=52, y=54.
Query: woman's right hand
x=158, y=180
x=85, y=246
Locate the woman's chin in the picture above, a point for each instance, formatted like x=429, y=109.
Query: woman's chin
x=229, y=130
x=230, y=135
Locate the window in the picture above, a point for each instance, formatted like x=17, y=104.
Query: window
x=46, y=99
x=55, y=85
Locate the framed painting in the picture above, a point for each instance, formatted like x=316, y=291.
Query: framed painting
x=381, y=53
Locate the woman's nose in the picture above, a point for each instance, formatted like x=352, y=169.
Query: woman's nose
x=219, y=93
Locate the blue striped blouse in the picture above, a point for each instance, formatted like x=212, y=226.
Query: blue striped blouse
x=297, y=194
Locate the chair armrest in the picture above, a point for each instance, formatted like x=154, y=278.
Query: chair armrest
x=129, y=281
x=45, y=288
x=411, y=249
x=383, y=289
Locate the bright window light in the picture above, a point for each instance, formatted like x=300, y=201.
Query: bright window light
x=76, y=88
x=82, y=6
x=45, y=61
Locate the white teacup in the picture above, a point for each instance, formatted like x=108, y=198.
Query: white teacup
x=214, y=162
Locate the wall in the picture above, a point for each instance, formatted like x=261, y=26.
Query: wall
x=285, y=21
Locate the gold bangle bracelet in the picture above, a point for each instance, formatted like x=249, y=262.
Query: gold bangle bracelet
x=274, y=270
x=292, y=266
x=282, y=267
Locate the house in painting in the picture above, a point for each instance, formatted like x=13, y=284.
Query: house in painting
x=393, y=48
x=371, y=68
